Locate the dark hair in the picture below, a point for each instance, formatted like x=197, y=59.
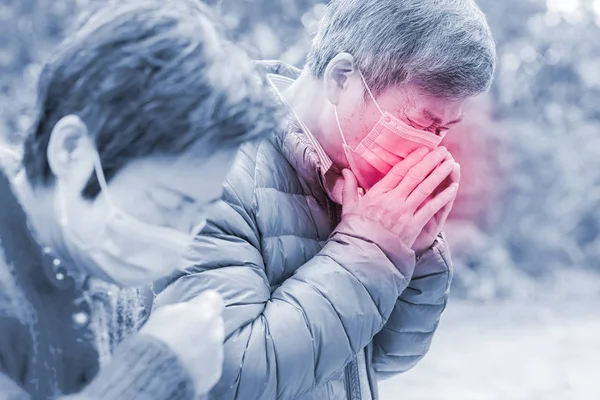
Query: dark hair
x=149, y=77
x=443, y=46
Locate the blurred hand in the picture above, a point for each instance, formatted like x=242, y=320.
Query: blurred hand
x=402, y=201
x=435, y=225
x=195, y=332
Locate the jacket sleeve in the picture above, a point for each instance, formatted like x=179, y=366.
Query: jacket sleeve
x=141, y=368
x=283, y=340
x=9, y=390
x=407, y=335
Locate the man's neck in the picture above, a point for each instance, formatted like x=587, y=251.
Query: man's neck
x=302, y=97
x=305, y=97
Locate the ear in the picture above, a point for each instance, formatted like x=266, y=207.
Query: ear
x=336, y=81
x=70, y=151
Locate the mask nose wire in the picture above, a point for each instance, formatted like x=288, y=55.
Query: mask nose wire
x=370, y=93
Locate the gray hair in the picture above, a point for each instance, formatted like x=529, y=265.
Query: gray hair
x=443, y=46
x=149, y=77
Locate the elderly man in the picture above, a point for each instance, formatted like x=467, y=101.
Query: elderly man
x=326, y=289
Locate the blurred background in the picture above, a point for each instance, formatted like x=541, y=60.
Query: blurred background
x=524, y=322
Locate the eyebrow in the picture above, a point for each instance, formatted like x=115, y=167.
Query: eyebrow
x=438, y=121
x=215, y=200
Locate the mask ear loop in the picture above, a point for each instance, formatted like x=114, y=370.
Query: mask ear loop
x=104, y=188
x=370, y=93
x=337, y=119
x=101, y=178
x=64, y=220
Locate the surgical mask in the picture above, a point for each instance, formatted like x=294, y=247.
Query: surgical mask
x=389, y=142
x=127, y=251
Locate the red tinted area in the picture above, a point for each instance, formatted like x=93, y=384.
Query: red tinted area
x=473, y=145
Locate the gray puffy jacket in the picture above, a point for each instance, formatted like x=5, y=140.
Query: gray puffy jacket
x=315, y=308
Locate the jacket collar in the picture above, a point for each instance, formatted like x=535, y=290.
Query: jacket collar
x=297, y=143
x=279, y=83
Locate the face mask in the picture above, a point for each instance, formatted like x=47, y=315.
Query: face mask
x=388, y=143
x=128, y=251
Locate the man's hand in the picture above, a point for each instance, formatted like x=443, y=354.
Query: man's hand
x=404, y=200
x=195, y=332
x=435, y=225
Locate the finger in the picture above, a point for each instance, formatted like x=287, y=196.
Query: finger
x=361, y=193
x=454, y=177
x=455, y=174
x=350, y=190
x=209, y=303
x=169, y=309
x=420, y=171
x=429, y=184
x=445, y=211
x=449, y=156
x=423, y=215
x=399, y=171
x=218, y=330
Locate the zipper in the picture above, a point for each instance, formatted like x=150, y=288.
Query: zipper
x=332, y=210
x=370, y=378
x=335, y=213
x=350, y=371
x=352, y=381
x=347, y=382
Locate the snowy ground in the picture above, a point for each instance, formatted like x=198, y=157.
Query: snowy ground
x=547, y=349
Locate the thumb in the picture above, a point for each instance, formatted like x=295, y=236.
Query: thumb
x=350, y=191
x=210, y=303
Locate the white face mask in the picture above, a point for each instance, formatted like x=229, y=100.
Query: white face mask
x=129, y=251
x=388, y=143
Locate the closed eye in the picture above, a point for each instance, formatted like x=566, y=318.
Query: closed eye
x=441, y=131
x=415, y=125
x=214, y=201
x=438, y=131
x=166, y=202
x=204, y=207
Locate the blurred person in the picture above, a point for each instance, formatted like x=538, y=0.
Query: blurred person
x=138, y=120
x=327, y=246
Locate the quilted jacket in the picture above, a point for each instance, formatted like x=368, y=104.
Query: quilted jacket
x=317, y=307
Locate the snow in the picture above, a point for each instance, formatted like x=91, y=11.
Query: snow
x=548, y=348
